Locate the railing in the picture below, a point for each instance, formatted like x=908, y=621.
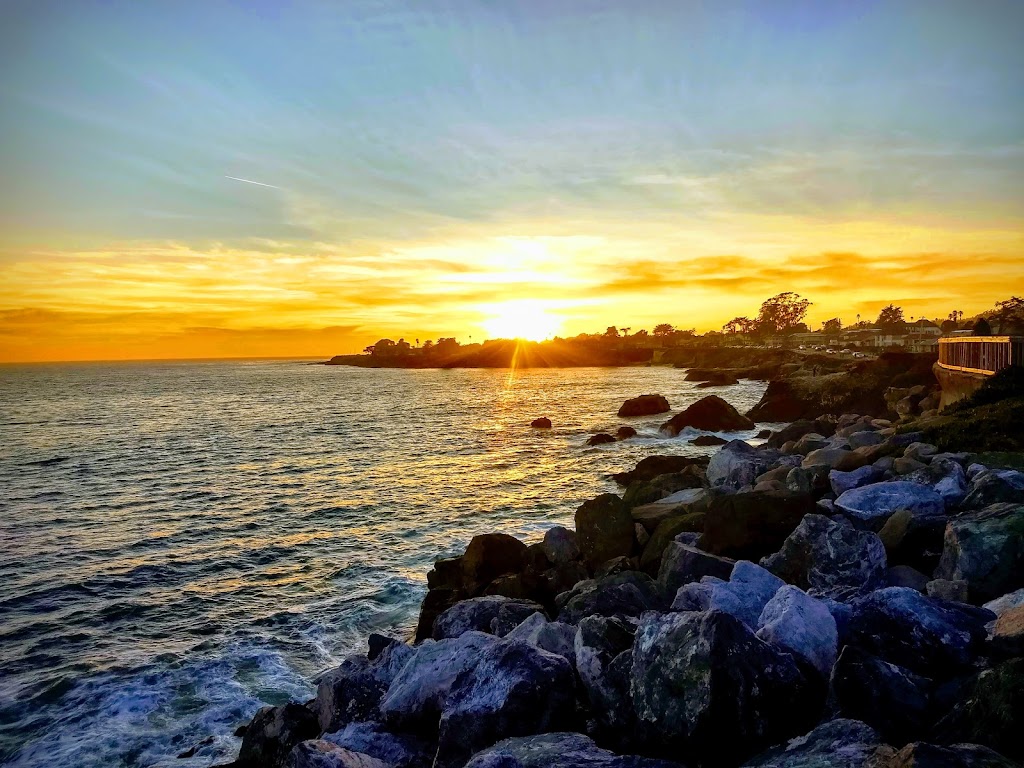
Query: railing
x=981, y=354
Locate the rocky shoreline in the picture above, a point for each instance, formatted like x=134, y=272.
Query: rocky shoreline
x=844, y=595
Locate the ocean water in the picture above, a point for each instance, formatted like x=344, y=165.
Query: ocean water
x=181, y=543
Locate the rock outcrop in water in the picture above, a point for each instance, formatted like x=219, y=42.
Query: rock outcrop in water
x=817, y=601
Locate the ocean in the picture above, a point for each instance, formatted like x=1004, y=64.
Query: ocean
x=184, y=542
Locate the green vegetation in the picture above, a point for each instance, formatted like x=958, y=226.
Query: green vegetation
x=992, y=419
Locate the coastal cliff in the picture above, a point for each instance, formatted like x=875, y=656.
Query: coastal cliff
x=844, y=594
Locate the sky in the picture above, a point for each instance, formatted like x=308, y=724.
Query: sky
x=207, y=179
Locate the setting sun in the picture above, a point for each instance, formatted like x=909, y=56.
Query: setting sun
x=526, y=320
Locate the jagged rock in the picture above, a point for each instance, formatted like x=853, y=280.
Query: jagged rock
x=644, y=405
x=682, y=564
x=665, y=533
x=418, y=692
x=557, y=750
x=842, y=482
x=479, y=614
x=944, y=589
x=927, y=636
x=377, y=644
x=675, y=505
x=615, y=565
x=446, y=574
x=560, y=545
x=812, y=480
x=650, y=467
x=991, y=711
x=1002, y=604
x=944, y=476
x=744, y=595
x=399, y=750
x=604, y=529
x=870, y=506
x=662, y=486
x=598, y=643
x=514, y=689
x=641, y=534
x=991, y=486
x=905, y=576
x=920, y=755
x=886, y=696
x=986, y=549
x=489, y=556
x=751, y=525
x=324, y=754
x=697, y=676
x=703, y=441
x=795, y=621
x=623, y=594
x=624, y=433
x=272, y=734
x=551, y=636
x=601, y=438
x=709, y=414
x=839, y=743
x=738, y=464
x=830, y=558
x=353, y=691
x=913, y=540
x=542, y=423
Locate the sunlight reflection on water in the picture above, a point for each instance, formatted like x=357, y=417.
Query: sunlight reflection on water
x=184, y=541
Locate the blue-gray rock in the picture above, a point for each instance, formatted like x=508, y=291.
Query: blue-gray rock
x=842, y=482
x=927, y=636
x=745, y=595
x=839, y=743
x=603, y=656
x=802, y=625
x=886, y=696
x=273, y=732
x=985, y=548
x=318, y=753
x=514, y=689
x=866, y=438
x=870, y=506
x=737, y=464
x=400, y=750
x=697, y=676
x=830, y=558
x=353, y=691
x=629, y=593
x=944, y=476
x=682, y=564
x=559, y=545
x=551, y=636
x=991, y=486
x=419, y=690
x=558, y=750
x=478, y=614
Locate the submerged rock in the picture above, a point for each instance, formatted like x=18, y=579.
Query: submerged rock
x=709, y=414
x=601, y=438
x=542, y=423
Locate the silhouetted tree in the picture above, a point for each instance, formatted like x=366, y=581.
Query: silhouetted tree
x=890, y=317
x=663, y=329
x=612, y=332
x=982, y=328
x=1010, y=315
x=835, y=325
x=382, y=348
x=739, y=325
x=641, y=332
x=782, y=312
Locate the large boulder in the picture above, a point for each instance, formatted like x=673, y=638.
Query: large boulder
x=604, y=529
x=665, y=533
x=559, y=545
x=842, y=482
x=991, y=486
x=650, y=467
x=629, y=593
x=662, y=486
x=913, y=540
x=514, y=689
x=417, y=694
x=839, y=743
x=557, y=750
x=738, y=464
x=796, y=622
x=325, y=754
x=644, y=405
x=399, y=750
x=871, y=505
x=272, y=734
x=927, y=636
x=783, y=401
x=697, y=676
x=752, y=525
x=489, y=556
x=603, y=650
x=886, y=696
x=682, y=564
x=479, y=614
x=651, y=515
x=352, y=692
x=551, y=636
x=744, y=595
x=709, y=414
x=944, y=476
x=985, y=548
x=830, y=558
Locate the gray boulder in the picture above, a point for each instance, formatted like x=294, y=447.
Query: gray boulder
x=557, y=750
x=325, y=754
x=738, y=464
x=842, y=482
x=830, y=558
x=399, y=750
x=629, y=593
x=744, y=595
x=272, y=734
x=991, y=486
x=478, y=614
x=599, y=645
x=870, y=506
x=796, y=622
x=514, y=689
x=419, y=690
x=682, y=564
x=839, y=743
x=551, y=636
x=986, y=549
x=697, y=676
x=353, y=691
x=559, y=545
x=944, y=476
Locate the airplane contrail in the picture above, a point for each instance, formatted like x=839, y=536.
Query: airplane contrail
x=250, y=181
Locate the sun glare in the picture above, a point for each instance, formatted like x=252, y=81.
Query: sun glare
x=526, y=320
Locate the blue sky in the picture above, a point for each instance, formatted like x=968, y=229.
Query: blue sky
x=383, y=125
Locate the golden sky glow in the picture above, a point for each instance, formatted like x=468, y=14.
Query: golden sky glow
x=479, y=172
